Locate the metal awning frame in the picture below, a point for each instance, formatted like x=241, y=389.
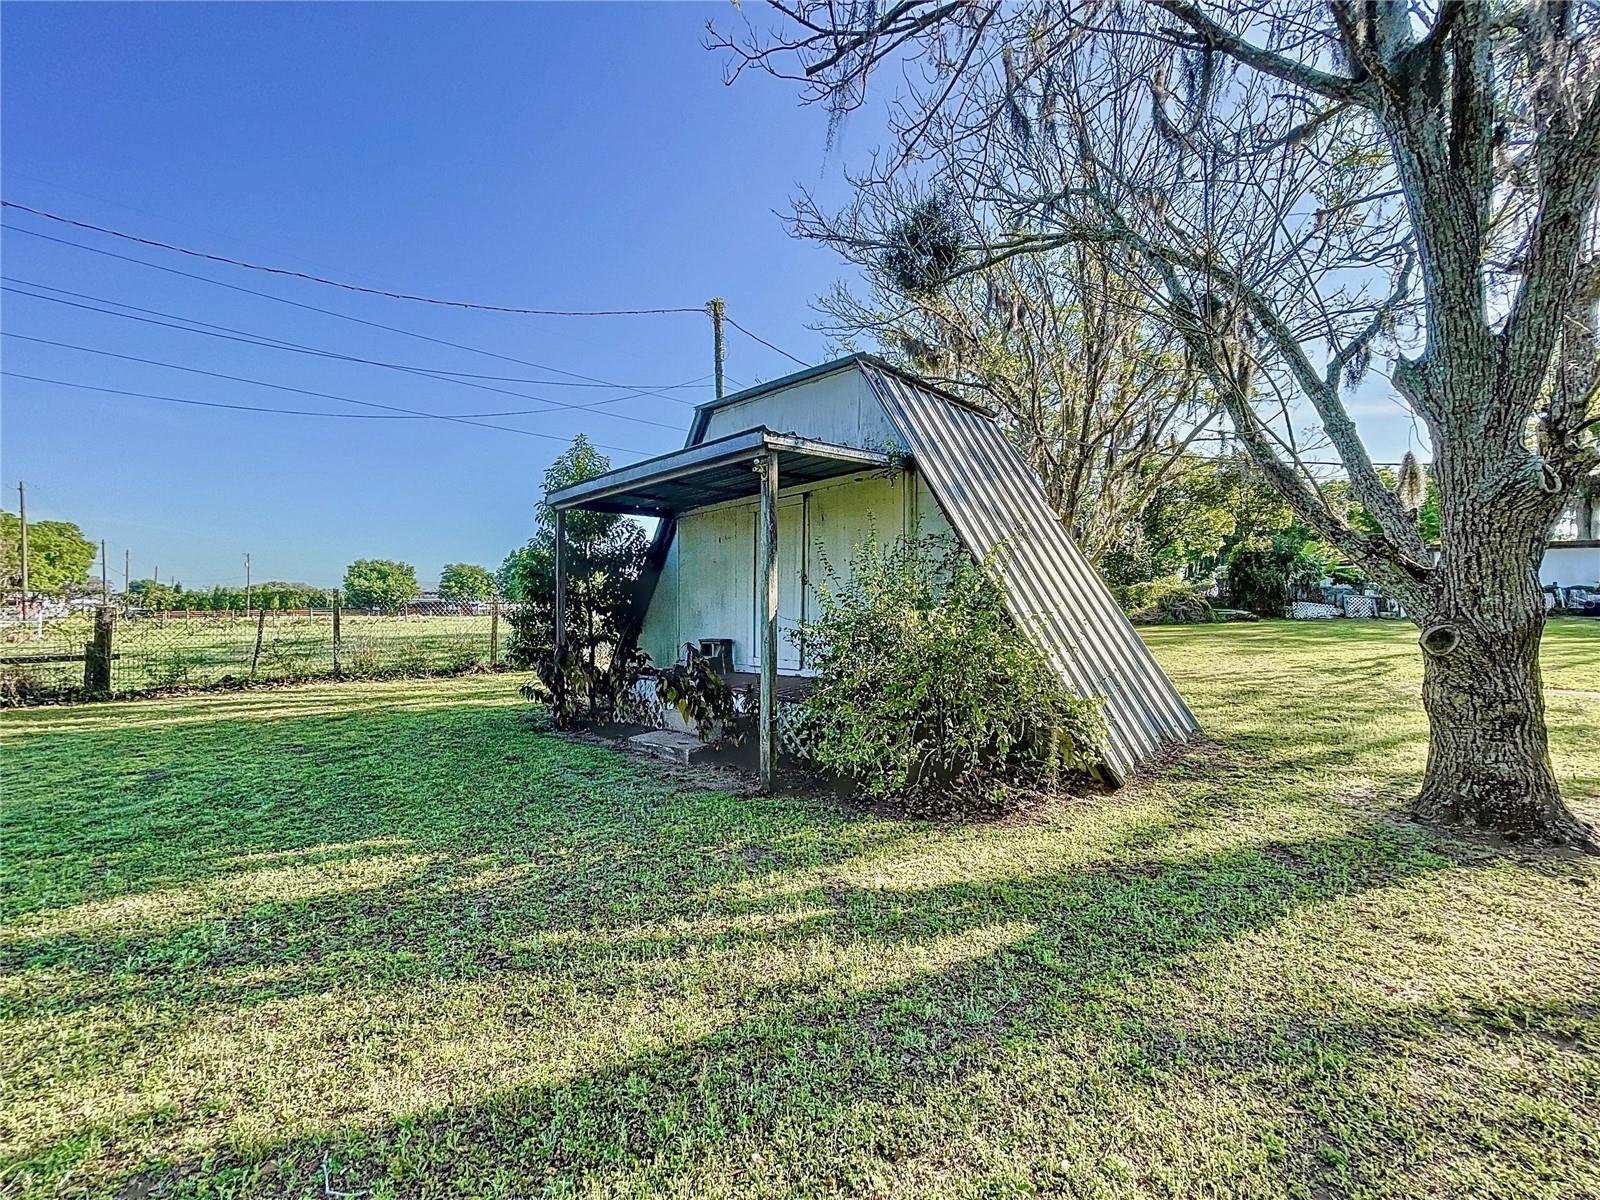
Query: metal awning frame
x=625, y=489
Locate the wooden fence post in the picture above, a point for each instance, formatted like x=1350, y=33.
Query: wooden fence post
x=336, y=667
x=97, y=654
x=494, y=632
x=261, y=627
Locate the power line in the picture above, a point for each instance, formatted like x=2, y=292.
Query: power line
x=332, y=312
x=287, y=412
x=250, y=339
x=349, y=287
x=634, y=390
x=164, y=218
x=766, y=343
x=281, y=387
x=375, y=291
x=638, y=390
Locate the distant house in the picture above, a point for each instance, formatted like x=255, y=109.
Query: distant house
x=1572, y=557
x=824, y=457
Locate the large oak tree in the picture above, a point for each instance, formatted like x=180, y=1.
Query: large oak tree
x=1307, y=188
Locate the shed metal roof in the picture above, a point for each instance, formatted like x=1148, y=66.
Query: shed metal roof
x=995, y=503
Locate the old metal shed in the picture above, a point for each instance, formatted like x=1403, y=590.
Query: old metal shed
x=776, y=485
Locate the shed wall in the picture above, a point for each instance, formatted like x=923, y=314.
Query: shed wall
x=1570, y=566
x=707, y=583
x=838, y=408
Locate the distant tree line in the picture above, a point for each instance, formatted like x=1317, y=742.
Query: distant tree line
x=60, y=557
x=270, y=594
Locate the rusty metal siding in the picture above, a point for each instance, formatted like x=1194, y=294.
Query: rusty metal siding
x=996, y=504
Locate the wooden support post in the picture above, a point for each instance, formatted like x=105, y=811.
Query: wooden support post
x=97, y=654
x=494, y=632
x=261, y=628
x=337, y=668
x=22, y=530
x=767, y=612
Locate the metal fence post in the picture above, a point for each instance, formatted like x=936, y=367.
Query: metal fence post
x=97, y=653
x=494, y=632
x=336, y=669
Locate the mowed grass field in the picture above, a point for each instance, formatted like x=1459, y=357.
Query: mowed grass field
x=201, y=649
x=387, y=939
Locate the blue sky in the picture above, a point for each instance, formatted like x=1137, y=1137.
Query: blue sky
x=582, y=156
x=529, y=155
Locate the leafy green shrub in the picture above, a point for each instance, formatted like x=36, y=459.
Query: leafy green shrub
x=1263, y=572
x=408, y=663
x=172, y=669
x=578, y=689
x=363, y=664
x=703, y=698
x=19, y=685
x=928, y=694
x=459, y=657
x=531, y=639
x=1170, y=600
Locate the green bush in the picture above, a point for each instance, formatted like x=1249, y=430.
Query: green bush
x=577, y=690
x=703, y=697
x=1170, y=600
x=928, y=694
x=364, y=664
x=1263, y=572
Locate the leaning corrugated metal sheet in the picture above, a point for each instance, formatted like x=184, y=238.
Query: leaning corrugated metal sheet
x=995, y=504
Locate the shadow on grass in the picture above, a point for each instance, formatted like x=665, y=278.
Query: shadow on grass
x=674, y=981
x=797, y=1060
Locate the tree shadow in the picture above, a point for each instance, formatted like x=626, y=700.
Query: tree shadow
x=976, y=973
x=678, y=989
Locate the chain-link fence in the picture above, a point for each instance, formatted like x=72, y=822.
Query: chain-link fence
x=125, y=653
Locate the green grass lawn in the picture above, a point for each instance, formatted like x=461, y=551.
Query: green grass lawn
x=388, y=940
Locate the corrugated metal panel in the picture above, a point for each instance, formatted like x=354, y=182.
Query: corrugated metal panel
x=995, y=503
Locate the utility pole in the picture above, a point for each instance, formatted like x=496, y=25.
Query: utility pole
x=105, y=576
x=124, y=573
x=715, y=307
x=22, y=518
x=247, y=583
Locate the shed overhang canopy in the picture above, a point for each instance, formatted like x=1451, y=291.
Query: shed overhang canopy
x=711, y=472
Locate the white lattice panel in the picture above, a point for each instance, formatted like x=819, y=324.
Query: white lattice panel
x=794, y=735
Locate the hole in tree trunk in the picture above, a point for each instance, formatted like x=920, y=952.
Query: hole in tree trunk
x=1440, y=640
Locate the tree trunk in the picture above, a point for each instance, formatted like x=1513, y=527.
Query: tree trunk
x=1488, y=750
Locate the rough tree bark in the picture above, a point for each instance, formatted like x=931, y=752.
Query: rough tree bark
x=1488, y=751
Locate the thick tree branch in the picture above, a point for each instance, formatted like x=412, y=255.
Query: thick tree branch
x=1334, y=87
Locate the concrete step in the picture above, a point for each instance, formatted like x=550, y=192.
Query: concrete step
x=671, y=745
